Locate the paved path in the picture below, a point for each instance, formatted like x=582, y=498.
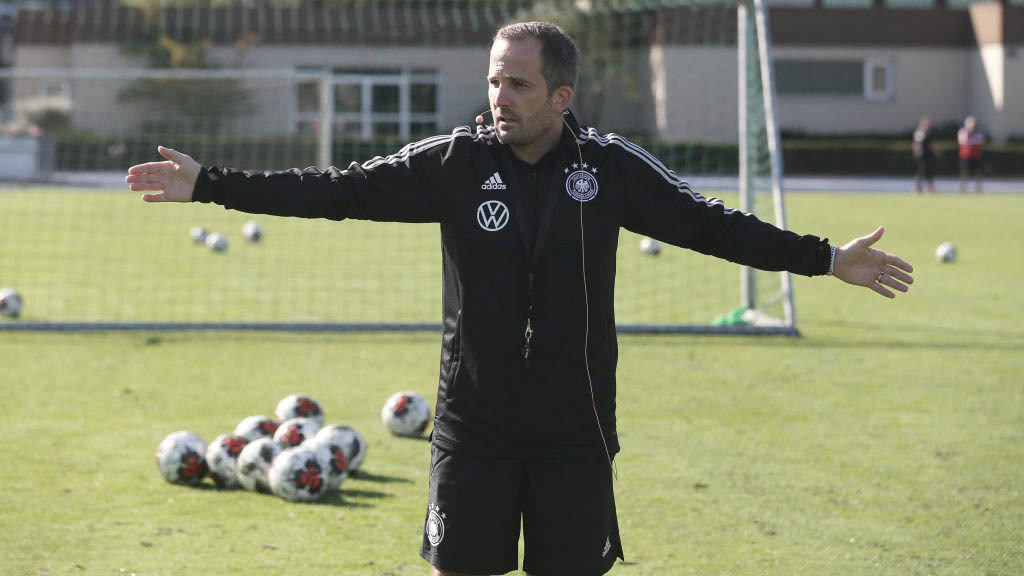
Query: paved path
x=862, y=184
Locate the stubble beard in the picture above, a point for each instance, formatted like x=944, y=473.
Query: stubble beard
x=530, y=130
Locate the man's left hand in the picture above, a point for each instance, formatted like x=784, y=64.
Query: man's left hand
x=858, y=263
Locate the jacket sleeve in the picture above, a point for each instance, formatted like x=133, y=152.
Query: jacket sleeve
x=404, y=187
x=662, y=206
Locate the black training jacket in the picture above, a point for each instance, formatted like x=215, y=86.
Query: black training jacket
x=500, y=269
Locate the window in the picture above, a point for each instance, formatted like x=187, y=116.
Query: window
x=869, y=79
x=847, y=3
x=820, y=77
x=373, y=102
x=911, y=4
x=877, y=79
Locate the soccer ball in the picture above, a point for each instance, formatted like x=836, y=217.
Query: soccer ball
x=299, y=406
x=297, y=474
x=336, y=470
x=252, y=231
x=222, y=458
x=946, y=252
x=216, y=242
x=295, y=431
x=406, y=414
x=10, y=303
x=181, y=458
x=254, y=427
x=198, y=234
x=254, y=464
x=349, y=440
x=650, y=246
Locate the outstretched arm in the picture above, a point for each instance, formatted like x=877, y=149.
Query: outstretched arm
x=173, y=180
x=858, y=263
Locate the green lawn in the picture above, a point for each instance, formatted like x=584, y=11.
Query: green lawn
x=888, y=439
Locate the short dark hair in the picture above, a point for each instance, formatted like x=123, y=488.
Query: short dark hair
x=558, y=52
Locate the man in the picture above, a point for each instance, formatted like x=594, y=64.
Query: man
x=530, y=210
x=924, y=156
x=970, y=141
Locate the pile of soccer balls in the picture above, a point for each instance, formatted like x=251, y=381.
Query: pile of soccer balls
x=218, y=242
x=294, y=457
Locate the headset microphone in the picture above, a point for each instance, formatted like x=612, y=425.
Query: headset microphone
x=480, y=117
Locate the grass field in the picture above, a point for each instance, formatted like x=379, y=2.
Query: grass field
x=888, y=439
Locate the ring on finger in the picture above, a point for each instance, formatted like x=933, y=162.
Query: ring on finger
x=880, y=276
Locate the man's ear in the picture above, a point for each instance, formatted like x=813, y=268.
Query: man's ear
x=562, y=98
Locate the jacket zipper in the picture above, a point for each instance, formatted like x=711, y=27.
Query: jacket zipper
x=528, y=333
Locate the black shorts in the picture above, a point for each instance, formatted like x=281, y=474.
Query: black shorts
x=969, y=166
x=566, y=506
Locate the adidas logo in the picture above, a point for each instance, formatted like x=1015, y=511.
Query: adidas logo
x=607, y=546
x=493, y=183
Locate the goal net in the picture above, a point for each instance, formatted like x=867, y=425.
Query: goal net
x=91, y=88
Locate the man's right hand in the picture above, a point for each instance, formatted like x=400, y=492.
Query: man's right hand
x=173, y=180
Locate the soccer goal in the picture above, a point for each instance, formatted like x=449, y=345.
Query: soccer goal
x=93, y=87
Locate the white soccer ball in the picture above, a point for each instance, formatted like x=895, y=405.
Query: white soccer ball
x=336, y=469
x=198, y=234
x=406, y=414
x=296, y=431
x=254, y=464
x=650, y=246
x=252, y=231
x=946, y=252
x=216, y=242
x=181, y=458
x=222, y=458
x=299, y=406
x=253, y=427
x=349, y=440
x=10, y=303
x=297, y=474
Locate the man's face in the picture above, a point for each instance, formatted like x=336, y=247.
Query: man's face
x=518, y=93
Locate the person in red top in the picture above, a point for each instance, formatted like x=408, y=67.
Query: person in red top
x=971, y=141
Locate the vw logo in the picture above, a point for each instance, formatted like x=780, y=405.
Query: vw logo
x=492, y=215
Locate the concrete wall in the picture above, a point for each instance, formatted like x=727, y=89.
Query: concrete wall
x=694, y=93
x=934, y=81
x=1014, y=85
x=93, y=104
x=462, y=72
x=681, y=92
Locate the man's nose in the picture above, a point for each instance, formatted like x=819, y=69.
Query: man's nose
x=501, y=96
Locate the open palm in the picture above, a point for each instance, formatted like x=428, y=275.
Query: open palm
x=172, y=180
x=858, y=263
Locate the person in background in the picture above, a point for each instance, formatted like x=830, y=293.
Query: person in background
x=924, y=156
x=970, y=140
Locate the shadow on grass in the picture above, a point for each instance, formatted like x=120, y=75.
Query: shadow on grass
x=932, y=337
x=348, y=498
x=363, y=475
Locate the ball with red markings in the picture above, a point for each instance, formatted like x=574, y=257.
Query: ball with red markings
x=406, y=414
x=349, y=440
x=222, y=459
x=298, y=474
x=337, y=464
x=10, y=303
x=295, y=431
x=254, y=427
x=299, y=406
x=181, y=458
x=254, y=464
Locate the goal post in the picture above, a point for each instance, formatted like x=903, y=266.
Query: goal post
x=265, y=85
